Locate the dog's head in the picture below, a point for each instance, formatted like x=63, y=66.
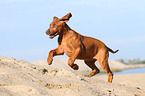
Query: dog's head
x=57, y=25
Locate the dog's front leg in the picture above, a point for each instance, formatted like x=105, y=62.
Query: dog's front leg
x=52, y=53
x=72, y=59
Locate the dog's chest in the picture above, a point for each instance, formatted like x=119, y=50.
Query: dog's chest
x=67, y=47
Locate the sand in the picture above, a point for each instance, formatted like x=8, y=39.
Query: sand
x=61, y=63
x=20, y=78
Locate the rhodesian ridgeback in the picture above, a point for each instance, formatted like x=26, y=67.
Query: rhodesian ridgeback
x=77, y=46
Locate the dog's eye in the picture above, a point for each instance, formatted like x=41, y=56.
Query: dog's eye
x=55, y=26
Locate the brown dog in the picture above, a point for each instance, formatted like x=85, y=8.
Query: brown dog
x=77, y=46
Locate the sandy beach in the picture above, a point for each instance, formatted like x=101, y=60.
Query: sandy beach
x=20, y=78
x=61, y=63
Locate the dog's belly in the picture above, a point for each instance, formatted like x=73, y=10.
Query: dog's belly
x=68, y=49
x=68, y=52
x=84, y=54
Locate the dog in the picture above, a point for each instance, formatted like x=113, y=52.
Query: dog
x=77, y=46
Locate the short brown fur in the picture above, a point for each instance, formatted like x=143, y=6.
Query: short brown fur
x=77, y=46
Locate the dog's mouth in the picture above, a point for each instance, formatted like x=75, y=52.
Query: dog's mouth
x=53, y=35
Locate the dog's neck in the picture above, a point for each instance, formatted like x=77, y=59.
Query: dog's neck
x=65, y=30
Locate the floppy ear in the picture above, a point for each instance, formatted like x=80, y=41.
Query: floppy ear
x=55, y=18
x=66, y=17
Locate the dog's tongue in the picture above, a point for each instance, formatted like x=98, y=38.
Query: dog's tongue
x=51, y=36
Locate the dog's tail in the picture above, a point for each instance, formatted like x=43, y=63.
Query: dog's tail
x=112, y=50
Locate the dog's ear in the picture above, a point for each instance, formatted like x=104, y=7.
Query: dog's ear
x=55, y=18
x=66, y=17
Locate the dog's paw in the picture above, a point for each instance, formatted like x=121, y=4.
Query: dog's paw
x=75, y=67
x=87, y=75
x=49, y=61
x=94, y=72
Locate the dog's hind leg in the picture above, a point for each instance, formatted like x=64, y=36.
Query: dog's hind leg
x=91, y=64
x=103, y=60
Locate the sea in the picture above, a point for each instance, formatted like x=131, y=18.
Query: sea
x=129, y=71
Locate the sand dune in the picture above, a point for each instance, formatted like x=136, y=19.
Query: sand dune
x=62, y=64
x=20, y=78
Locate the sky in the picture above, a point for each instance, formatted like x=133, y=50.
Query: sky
x=120, y=24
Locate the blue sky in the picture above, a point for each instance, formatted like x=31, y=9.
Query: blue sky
x=120, y=24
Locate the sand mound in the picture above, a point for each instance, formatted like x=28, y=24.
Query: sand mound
x=20, y=78
x=62, y=64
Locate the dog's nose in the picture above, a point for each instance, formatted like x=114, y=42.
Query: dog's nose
x=47, y=32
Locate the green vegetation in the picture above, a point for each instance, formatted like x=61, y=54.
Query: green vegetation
x=132, y=61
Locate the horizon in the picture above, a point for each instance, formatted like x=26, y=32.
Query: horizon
x=119, y=24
